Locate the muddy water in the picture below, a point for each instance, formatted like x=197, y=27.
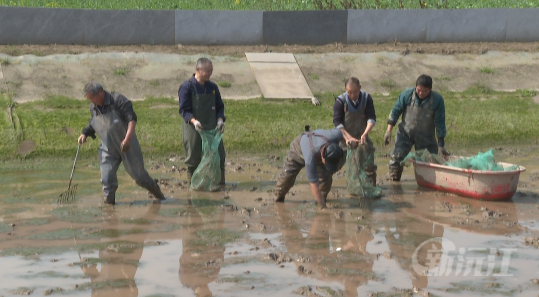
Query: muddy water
x=412, y=241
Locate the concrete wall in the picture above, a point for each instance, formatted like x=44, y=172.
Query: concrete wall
x=379, y=26
x=40, y=26
x=305, y=27
x=218, y=27
x=122, y=27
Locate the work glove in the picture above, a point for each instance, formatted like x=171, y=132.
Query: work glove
x=221, y=125
x=387, y=137
x=198, y=126
x=443, y=152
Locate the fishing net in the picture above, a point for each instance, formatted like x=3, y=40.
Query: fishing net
x=483, y=161
x=358, y=184
x=207, y=176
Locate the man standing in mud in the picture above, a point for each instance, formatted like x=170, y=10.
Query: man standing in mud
x=201, y=108
x=423, y=118
x=354, y=110
x=319, y=152
x=114, y=120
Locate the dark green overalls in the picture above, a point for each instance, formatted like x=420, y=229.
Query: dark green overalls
x=203, y=109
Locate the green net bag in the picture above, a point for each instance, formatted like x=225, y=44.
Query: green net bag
x=483, y=161
x=422, y=156
x=207, y=176
x=357, y=182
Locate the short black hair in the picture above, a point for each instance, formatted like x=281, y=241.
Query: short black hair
x=424, y=81
x=352, y=80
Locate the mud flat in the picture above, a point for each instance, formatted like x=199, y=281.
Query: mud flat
x=238, y=242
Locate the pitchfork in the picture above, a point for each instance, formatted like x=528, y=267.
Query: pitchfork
x=69, y=194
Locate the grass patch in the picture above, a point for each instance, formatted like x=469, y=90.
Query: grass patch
x=268, y=126
x=314, y=76
x=527, y=93
x=486, y=70
x=121, y=71
x=5, y=62
x=224, y=84
x=480, y=87
x=388, y=84
x=154, y=83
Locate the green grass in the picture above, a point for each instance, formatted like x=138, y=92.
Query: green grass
x=154, y=83
x=263, y=126
x=121, y=71
x=5, y=62
x=270, y=4
x=224, y=84
x=314, y=76
x=388, y=84
x=486, y=70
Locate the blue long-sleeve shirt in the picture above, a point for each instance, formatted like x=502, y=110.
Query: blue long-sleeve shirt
x=405, y=99
x=184, y=94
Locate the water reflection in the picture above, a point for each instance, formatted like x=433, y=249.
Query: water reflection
x=331, y=251
x=201, y=259
x=113, y=273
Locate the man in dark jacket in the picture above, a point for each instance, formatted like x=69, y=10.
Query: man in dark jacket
x=423, y=118
x=201, y=108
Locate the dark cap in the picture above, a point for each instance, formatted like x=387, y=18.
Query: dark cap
x=333, y=154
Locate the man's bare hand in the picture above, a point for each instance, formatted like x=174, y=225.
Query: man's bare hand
x=125, y=146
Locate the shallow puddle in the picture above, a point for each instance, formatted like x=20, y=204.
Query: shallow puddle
x=412, y=241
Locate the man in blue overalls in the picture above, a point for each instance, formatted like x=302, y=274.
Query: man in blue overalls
x=114, y=120
x=423, y=118
x=354, y=109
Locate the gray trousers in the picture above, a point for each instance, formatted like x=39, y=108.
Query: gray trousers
x=133, y=164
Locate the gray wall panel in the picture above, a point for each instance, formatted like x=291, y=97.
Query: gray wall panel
x=305, y=27
x=20, y=25
x=218, y=27
x=123, y=27
x=378, y=26
x=523, y=25
x=467, y=25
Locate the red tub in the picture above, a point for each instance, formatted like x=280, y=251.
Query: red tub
x=476, y=184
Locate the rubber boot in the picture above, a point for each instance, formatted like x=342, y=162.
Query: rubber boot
x=222, y=184
x=277, y=198
x=395, y=175
x=110, y=199
x=190, y=171
x=156, y=192
x=372, y=178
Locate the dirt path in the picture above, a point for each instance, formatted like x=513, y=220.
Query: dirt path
x=36, y=72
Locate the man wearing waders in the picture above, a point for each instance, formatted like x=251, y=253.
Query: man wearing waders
x=319, y=152
x=354, y=110
x=423, y=118
x=114, y=120
x=201, y=108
